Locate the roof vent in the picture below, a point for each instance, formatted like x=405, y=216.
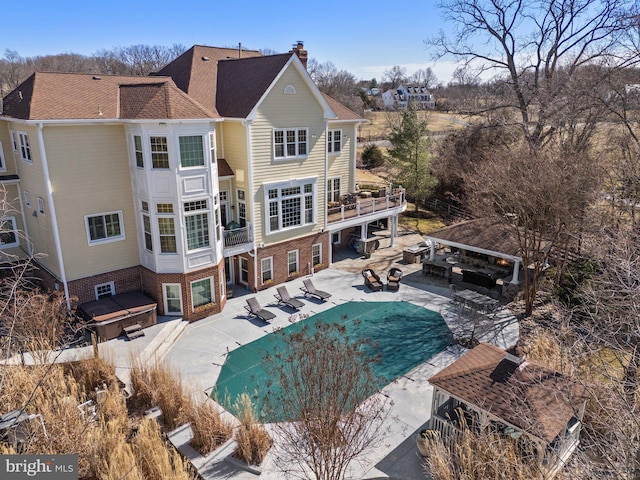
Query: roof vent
x=96, y=77
x=205, y=59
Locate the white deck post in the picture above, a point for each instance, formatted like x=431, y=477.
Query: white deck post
x=432, y=252
x=393, y=230
x=516, y=271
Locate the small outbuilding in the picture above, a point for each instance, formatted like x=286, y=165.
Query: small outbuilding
x=494, y=389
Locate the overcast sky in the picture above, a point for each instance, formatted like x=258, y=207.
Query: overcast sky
x=363, y=37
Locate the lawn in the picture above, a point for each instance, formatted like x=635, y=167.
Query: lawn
x=423, y=222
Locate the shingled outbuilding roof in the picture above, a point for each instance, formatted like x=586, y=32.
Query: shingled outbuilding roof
x=538, y=400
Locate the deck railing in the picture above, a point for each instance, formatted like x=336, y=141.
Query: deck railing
x=239, y=236
x=365, y=206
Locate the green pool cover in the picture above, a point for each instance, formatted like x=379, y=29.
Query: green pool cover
x=404, y=334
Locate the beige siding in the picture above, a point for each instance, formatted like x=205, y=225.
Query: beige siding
x=7, y=148
x=235, y=153
x=341, y=165
x=39, y=228
x=90, y=174
x=280, y=110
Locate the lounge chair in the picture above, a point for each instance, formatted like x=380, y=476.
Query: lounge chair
x=372, y=280
x=254, y=308
x=284, y=297
x=309, y=289
x=393, y=279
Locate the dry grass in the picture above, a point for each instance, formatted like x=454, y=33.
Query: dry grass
x=170, y=396
x=253, y=440
x=210, y=429
x=102, y=440
x=480, y=455
x=143, y=392
x=153, y=458
x=423, y=223
x=378, y=124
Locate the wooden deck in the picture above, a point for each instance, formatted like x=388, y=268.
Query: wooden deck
x=364, y=207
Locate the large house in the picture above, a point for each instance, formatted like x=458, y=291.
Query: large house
x=217, y=170
x=403, y=95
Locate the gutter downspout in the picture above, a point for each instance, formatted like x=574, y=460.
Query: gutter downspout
x=54, y=218
x=247, y=126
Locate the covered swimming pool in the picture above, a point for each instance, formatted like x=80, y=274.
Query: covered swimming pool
x=405, y=335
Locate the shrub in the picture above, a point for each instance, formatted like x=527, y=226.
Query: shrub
x=372, y=156
x=169, y=396
x=253, y=440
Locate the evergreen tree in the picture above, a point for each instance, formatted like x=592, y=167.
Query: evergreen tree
x=410, y=155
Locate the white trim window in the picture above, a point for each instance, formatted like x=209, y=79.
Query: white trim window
x=334, y=141
x=202, y=292
x=196, y=220
x=242, y=207
x=146, y=225
x=336, y=238
x=212, y=147
x=104, y=227
x=166, y=227
x=290, y=204
x=191, y=151
x=14, y=140
x=137, y=150
x=3, y=164
x=290, y=143
x=41, y=205
x=8, y=233
x=333, y=190
x=266, y=267
x=25, y=147
x=27, y=199
x=292, y=260
x=159, y=152
x=105, y=290
x=316, y=254
x=172, y=298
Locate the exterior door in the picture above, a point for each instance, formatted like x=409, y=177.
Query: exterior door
x=244, y=271
x=224, y=208
x=172, y=298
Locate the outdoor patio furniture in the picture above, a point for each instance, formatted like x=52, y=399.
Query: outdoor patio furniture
x=283, y=297
x=372, y=280
x=254, y=308
x=393, y=279
x=309, y=289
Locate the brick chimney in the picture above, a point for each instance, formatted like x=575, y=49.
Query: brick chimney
x=299, y=50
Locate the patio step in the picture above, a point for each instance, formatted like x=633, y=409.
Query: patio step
x=162, y=343
x=156, y=350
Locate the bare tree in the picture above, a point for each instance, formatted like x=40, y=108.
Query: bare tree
x=142, y=59
x=535, y=193
x=325, y=388
x=425, y=78
x=395, y=76
x=537, y=47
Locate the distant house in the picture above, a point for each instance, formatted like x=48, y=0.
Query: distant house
x=517, y=398
x=400, y=98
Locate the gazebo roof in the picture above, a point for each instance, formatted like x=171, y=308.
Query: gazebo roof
x=480, y=235
x=536, y=399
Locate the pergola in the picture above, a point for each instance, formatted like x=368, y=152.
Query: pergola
x=480, y=236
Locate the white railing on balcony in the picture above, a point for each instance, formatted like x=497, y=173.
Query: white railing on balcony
x=239, y=236
x=448, y=431
x=365, y=206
